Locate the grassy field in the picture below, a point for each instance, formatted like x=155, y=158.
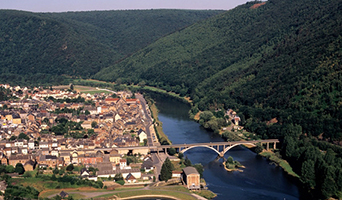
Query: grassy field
x=282, y=163
x=206, y=194
x=110, y=84
x=82, y=193
x=75, y=192
x=174, y=193
x=90, y=90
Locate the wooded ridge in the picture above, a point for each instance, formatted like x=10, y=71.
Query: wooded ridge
x=277, y=61
x=42, y=46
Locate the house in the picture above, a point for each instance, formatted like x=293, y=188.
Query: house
x=146, y=177
x=237, y=120
x=123, y=163
x=114, y=156
x=134, y=171
x=29, y=165
x=31, y=144
x=176, y=174
x=84, y=173
x=4, y=161
x=111, y=100
x=60, y=162
x=130, y=178
x=191, y=178
x=147, y=165
x=142, y=136
x=43, y=145
x=66, y=157
x=86, y=159
x=14, y=159
x=64, y=195
x=47, y=160
x=105, y=170
x=86, y=125
x=3, y=186
x=16, y=119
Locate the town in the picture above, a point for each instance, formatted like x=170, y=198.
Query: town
x=55, y=128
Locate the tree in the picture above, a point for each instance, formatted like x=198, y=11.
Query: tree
x=118, y=177
x=206, y=116
x=9, y=169
x=171, y=151
x=187, y=162
x=55, y=171
x=308, y=174
x=13, y=137
x=27, y=174
x=259, y=148
x=23, y=136
x=70, y=167
x=180, y=155
x=199, y=168
x=19, y=168
x=86, y=112
x=46, y=121
x=230, y=160
x=61, y=172
x=166, y=170
x=93, y=124
x=329, y=156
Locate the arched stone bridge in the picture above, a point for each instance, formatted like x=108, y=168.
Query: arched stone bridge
x=219, y=147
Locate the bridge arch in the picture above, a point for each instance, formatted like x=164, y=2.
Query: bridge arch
x=220, y=153
x=206, y=146
x=232, y=146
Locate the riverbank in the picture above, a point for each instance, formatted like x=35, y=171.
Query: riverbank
x=158, y=125
x=279, y=162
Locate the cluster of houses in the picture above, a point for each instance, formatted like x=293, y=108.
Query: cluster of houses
x=26, y=135
x=115, y=122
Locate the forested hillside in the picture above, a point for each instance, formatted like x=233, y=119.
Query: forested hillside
x=284, y=55
x=39, y=47
x=128, y=31
x=280, y=61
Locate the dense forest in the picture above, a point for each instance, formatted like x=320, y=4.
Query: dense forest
x=277, y=63
x=280, y=60
x=37, y=48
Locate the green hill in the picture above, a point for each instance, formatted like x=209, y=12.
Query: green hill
x=279, y=60
x=282, y=55
x=39, y=47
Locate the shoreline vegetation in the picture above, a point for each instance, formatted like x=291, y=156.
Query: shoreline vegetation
x=158, y=125
x=269, y=155
x=232, y=165
x=234, y=169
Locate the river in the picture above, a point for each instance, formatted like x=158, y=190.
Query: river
x=259, y=180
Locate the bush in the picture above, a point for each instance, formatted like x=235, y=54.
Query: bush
x=121, y=182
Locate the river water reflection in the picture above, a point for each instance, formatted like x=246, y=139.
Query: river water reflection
x=259, y=180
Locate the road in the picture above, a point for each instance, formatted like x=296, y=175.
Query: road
x=148, y=119
x=158, y=159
